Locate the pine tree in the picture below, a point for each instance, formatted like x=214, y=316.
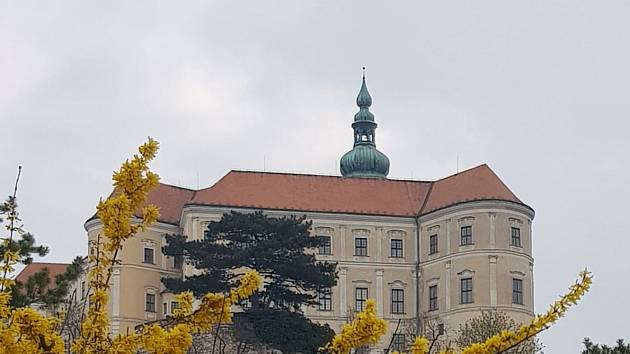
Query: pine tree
x=280, y=249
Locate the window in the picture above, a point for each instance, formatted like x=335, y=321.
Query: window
x=324, y=245
x=397, y=248
x=82, y=290
x=517, y=291
x=433, y=298
x=466, y=296
x=164, y=308
x=325, y=300
x=398, y=342
x=178, y=261
x=433, y=244
x=466, y=236
x=360, y=298
x=516, y=237
x=174, y=306
x=398, y=301
x=149, y=303
x=148, y=255
x=440, y=328
x=360, y=246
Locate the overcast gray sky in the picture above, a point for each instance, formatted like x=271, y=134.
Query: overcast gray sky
x=536, y=89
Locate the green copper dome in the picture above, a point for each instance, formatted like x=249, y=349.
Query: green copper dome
x=364, y=160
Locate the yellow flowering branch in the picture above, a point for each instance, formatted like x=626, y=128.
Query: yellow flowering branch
x=365, y=329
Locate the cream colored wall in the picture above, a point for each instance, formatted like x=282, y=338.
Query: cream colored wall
x=133, y=278
x=491, y=261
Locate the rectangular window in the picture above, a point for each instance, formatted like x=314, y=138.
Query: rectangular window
x=360, y=298
x=83, y=290
x=360, y=246
x=324, y=246
x=206, y=234
x=148, y=255
x=149, y=304
x=325, y=300
x=466, y=236
x=433, y=244
x=398, y=343
x=174, y=306
x=398, y=301
x=433, y=298
x=517, y=291
x=164, y=308
x=466, y=296
x=396, y=248
x=178, y=261
x=516, y=237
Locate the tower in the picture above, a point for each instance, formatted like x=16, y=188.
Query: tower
x=364, y=160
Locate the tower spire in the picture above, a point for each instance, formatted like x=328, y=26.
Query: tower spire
x=364, y=160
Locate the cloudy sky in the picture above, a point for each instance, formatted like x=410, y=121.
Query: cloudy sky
x=536, y=89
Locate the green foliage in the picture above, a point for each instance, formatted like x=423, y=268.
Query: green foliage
x=491, y=323
x=289, y=332
x=38, y=289
x=281, y=250
x=620, y=348
x=21, y=240
x=275, y=247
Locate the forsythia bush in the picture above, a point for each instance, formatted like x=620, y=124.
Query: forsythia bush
x=24, y=330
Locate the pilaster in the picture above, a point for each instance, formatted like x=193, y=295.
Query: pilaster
x=492, y=260
x=379, y=292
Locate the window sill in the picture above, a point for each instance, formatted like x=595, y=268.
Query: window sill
x=328, y=311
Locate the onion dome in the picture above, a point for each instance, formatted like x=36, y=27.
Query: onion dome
x=364, y=160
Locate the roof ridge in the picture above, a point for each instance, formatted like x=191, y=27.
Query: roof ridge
x=326, y=176
x=178, y=187
x=504, y=185
x=58, y=263
x=426, y=199
x=464, y=171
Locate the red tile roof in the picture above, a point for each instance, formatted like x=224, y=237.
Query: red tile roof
x=53, y=270
x=317, y=193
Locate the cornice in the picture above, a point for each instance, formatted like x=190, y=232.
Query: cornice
x=495, y=205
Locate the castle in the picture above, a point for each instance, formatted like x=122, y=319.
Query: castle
x=440, y=250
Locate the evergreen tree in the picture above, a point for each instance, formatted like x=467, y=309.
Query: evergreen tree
x=620, y=348
x=280, y=249
x=38, y=289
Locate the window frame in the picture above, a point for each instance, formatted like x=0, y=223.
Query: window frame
x=399, y=342
x=466, y=292
x=144, y=255
x=466, y=238
x=516, y=240
x=396, y=252
x=360, y=298
x=324, y=299
x=326, y=248
x=149, y=306
x=433, y=298
x=361, y=250
x=397, y=301
x=433, y=246
x=517, y=291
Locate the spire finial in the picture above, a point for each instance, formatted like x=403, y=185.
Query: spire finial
x=364, y=100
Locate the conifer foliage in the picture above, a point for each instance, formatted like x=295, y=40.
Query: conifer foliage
x=280, y=249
